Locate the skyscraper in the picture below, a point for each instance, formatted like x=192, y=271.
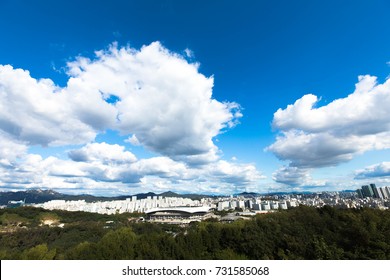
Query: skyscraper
x=377, y=192
x=384, y=193
x=360, y=193
x=367, y=191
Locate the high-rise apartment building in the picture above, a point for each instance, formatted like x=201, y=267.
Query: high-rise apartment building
x=372, y=191
x=367, y=191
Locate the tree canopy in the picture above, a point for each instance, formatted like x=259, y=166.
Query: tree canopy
x=299, y=233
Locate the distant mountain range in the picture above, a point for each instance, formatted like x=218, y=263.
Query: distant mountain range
x=41, y=196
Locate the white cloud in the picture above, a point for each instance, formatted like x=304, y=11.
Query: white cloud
x=377, y=170
x=189, y=53
x=154, y=95
x=162, y=167
x=164, y=102
x=38, y=112
x=101, y=166
x=364, y=112
x=234, y=173
x=102, y=152
x=10, y=150
x=312, y=137
x=310, y=150
x=293, y=176
x=299, y=178
x=133, y=140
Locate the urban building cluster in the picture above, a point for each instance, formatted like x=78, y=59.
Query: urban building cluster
x=345, y=199
x=372, y=191
x=369, y=196
x=184, y=210
x=120, y=206
x=255, y=204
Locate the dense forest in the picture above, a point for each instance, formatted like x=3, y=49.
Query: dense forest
x=298, y=233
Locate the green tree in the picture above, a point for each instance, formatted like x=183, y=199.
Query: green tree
x=39, y=252
x=82, y=251
x=147, y=247
x=117, y=245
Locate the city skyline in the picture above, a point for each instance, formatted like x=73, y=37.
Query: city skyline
x=207, y=97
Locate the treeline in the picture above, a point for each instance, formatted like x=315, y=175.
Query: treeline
x=299, y=233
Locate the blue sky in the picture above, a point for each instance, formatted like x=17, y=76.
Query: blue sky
x=114, y=97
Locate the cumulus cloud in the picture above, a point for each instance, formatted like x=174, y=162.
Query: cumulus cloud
x=163, y=167
x=38, y=112
x=155, y=98
x=377, y=170
x=163, y=101
x=101, y=166
x=133, y=140
x=10, y=150
x=152, y=94
x=103, y=152
x=364, y=112
x=189, y=53
x=312, y=150
x=312, y=137
x=220, y=172
x=299, y=179
x=234, y=173
x=328, y=135
x=293, y=176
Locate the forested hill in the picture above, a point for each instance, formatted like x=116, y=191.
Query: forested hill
x=298, y=233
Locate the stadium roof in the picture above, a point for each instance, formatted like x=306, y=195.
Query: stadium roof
x=187, y=210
